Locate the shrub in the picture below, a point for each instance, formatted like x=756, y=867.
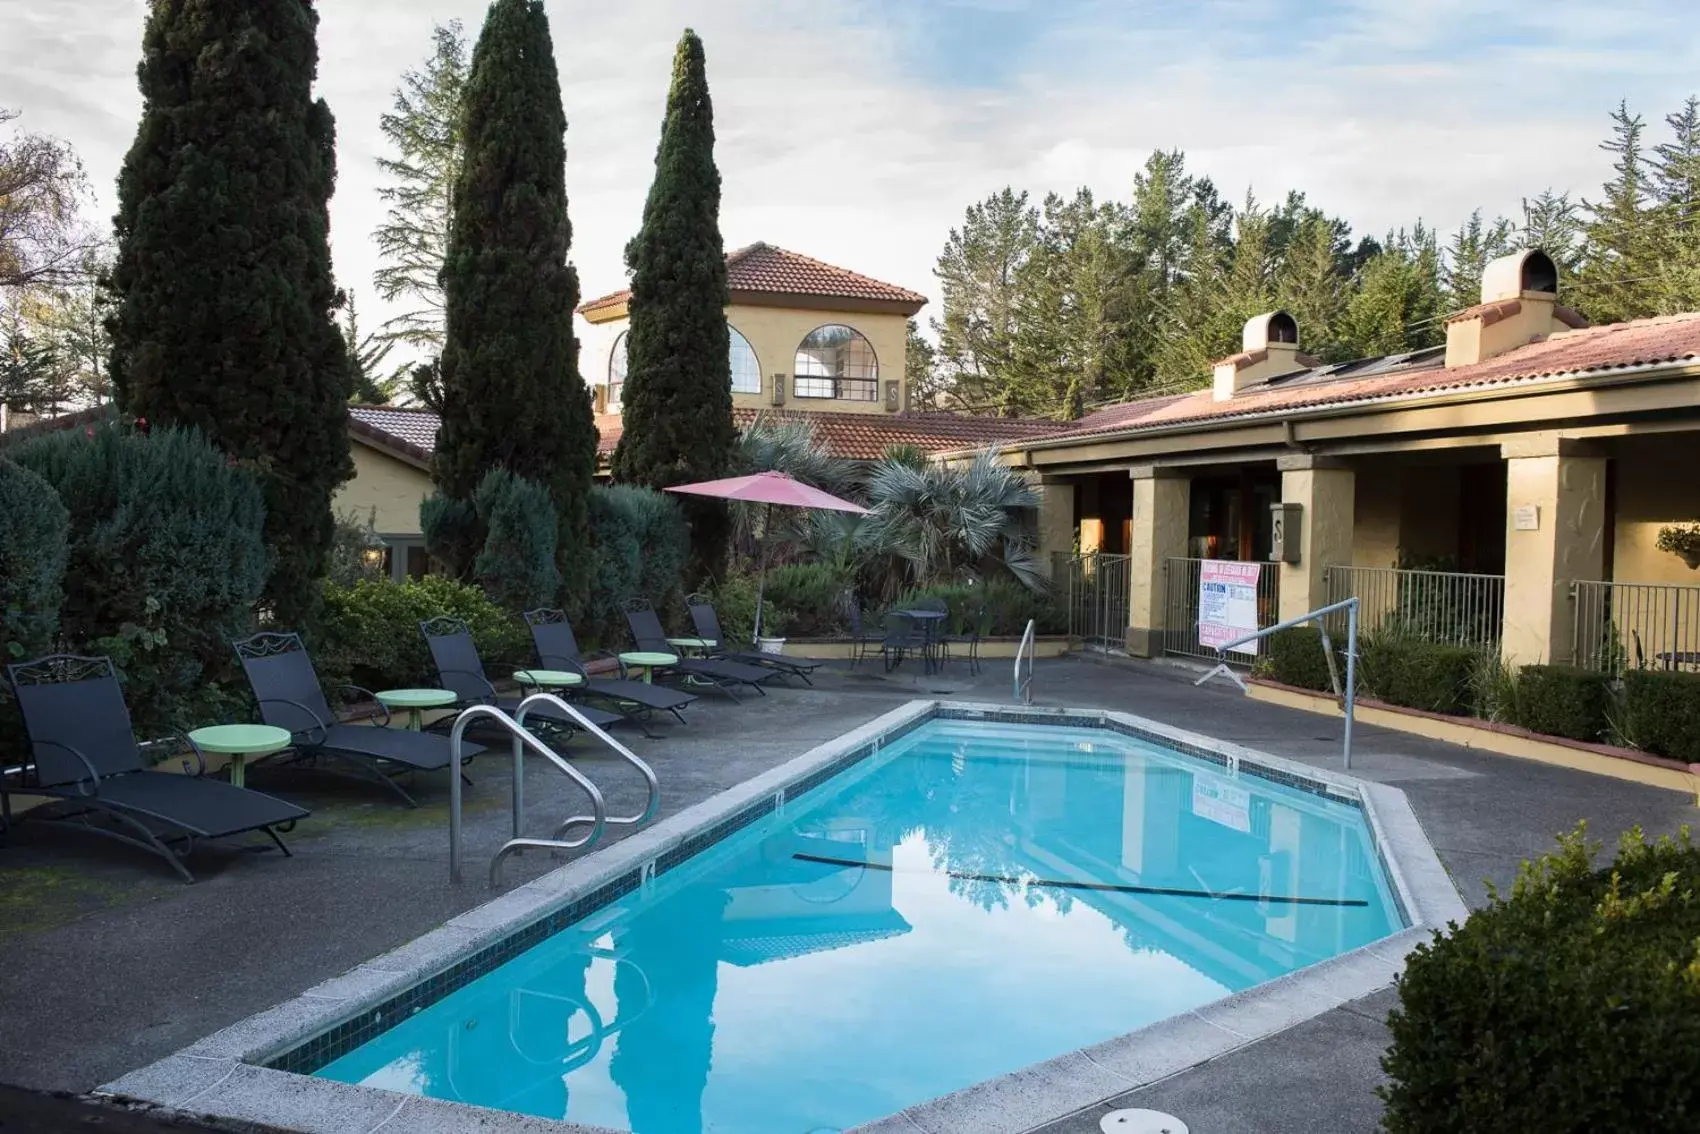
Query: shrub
x=452, y=533
x=166, y=562
x=1572, y=1005
x=348, y=560
x=810, y=599
x=1493, y=689
x=517, y=564
x=735, y=603
x=1563, y=701
x=1295, y=656
x=369, y=633
x=1008, y=605
x=34, y=547
x=1661, y=712
x=640, y=546
x=1431, y=676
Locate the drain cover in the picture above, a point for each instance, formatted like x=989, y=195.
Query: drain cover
x=1141, y=1122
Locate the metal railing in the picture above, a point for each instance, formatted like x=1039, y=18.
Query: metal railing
x=1437, y=606
x=523, y=740
x=1620, y=626
x=1095, y=589
x=1027, y=649
x=1180, y=605
x=1320, y=616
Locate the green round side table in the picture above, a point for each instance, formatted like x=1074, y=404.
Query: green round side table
x=646, y=661
x=240, y=741
x=548, y=678
x=415, y=701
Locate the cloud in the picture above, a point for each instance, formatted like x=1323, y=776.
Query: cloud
x=858, y=130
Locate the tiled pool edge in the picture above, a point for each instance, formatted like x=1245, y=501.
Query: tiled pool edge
x=218, y=1076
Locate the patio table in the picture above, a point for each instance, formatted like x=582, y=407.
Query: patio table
x=646, y=660
x=548, y=678
x=415, y=701
x=240, y=741
x=688, y=645
x=931, y=624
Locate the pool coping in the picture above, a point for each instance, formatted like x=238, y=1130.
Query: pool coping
x=224, y=1077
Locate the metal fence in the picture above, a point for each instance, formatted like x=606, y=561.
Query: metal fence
x=1180, y=607
x=1436, y=606
x=1621, y=626
x=1094, y=588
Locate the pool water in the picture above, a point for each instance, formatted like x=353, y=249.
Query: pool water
x=977, y=897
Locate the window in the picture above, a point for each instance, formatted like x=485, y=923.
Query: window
x=617, y=372
x=746, y=368
x=836, y=361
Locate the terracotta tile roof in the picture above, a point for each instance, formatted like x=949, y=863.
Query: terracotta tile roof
x=865, y=436
x=1495, y=310
x=765, y=269
x=1581, y=352
x=410, y=432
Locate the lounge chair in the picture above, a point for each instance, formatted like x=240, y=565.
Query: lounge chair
x=649, y=637
x=290, y=697
x=707, y=624
x=461, y=671
x=557, y=648
x=85, y=757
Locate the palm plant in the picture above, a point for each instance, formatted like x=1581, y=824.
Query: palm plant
x=789, y=446
x=940, y=523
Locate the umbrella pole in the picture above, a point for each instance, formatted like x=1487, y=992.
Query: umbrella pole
x=761, y=570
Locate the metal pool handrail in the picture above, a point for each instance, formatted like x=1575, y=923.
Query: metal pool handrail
x=521, y=741
x=1349, y=695
x=621, y=750
x=1024, y=689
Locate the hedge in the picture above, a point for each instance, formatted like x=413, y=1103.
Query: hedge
x=639, y=547
x=369, y=633
x=1571, y=1006
x=1661, y=712
x=516, y=566
x=1559, y=700
x=1295, y=656
x=34, y=546
x=1431, y=676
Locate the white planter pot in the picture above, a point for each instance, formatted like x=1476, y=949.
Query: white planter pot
x=771, y=645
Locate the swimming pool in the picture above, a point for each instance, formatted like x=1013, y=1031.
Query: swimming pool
x=977, y=897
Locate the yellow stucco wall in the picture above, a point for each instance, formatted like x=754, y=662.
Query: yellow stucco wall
x=1655, y=486
x=391, y=486
x=774, y=333
x=1376, y=507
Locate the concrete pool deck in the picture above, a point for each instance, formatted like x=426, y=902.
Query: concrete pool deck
x=140, y=966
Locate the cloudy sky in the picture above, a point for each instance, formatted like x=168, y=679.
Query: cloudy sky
x=856, y=131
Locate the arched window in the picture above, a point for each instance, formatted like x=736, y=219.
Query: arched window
x=617, y=372
x=746, y=368
x=836, y=361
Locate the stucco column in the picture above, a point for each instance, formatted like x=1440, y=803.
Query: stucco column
x=1161, y=498
x=1555, y=500
x=1056, y=521
x=1324, y=489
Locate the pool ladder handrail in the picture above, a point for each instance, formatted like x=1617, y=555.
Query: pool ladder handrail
x=1029, y=649
x=650, y=782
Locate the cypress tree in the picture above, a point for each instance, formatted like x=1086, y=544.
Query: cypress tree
x=678, y=397
x=511, y=392
x=223, y=292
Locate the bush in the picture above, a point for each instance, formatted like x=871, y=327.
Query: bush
x=1572, y=1005
x=1432, y=676
x=166, y=562
x=1008, y=606
x=452, y=533
x=1563, y=701
x=517, y=565
x=349, y=558
x=34, y=546
x=1661, y=712
x=640, y=546
x=1295, y=656
x=369, y=633
x=810, y=599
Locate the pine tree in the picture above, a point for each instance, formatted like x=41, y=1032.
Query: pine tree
x=511, y=392
x=979, y=272
x=370, y=385
x=919, y=365
x=1473, y=247
x=1399, y=302
x=1313, y=280
x=223, y=288
x=1550, y=223
x=1619, y=269
x=678, y=399
x=1676, y=188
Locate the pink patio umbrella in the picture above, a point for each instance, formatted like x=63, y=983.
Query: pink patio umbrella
x=768, y=489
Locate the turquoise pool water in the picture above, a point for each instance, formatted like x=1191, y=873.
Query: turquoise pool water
x=975, y=898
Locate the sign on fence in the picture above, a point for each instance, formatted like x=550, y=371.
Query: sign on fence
x=1227, y=603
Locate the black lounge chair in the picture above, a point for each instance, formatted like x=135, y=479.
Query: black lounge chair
x=707, y=624
x=290, y=697
x=557, y=648
x=85, y=757
x=649, y=637
x=461, y=671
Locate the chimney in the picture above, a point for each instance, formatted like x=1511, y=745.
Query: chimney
x=1519, y=306
x=1270, y=345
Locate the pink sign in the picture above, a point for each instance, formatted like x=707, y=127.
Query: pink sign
x=1227, y=603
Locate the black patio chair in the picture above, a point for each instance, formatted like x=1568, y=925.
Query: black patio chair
x=863, y=638
x=934, y=646
x=461, y=671
x=557, y=648
x=707, y=624
x=290, y=697
x=967, y=638
x=902, y=637
x=649, y=637
x=84, y=756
